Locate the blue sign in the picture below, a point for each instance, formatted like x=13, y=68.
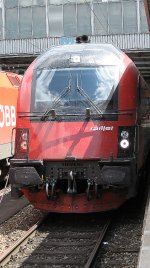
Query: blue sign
x=67, y=40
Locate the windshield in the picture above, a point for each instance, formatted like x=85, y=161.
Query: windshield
x=72, y=90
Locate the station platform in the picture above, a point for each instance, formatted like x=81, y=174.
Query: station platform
x=144, y=256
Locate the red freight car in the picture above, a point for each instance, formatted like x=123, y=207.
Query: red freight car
x=9, y=83
x=82, y=129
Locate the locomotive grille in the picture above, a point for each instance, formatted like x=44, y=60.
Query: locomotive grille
x=72, y=164
x=60, y=169
x=82, y=171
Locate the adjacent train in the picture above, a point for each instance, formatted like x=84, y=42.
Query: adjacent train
x=9, y=84
x=82, y=134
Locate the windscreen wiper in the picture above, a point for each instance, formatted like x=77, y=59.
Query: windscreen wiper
x=62, y=94
x=84, y=94
x=51, y=111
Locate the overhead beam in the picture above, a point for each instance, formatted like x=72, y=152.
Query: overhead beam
x=143, y=68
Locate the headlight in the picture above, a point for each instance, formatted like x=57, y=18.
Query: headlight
x=24, y=145
x=124, y=134
x=24, y=136
x=21, y=143
x=124, y=144
x=126, y=141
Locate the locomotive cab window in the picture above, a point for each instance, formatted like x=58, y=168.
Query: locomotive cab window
x=70, y=91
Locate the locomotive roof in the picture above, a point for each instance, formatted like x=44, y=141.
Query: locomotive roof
x=88, y=54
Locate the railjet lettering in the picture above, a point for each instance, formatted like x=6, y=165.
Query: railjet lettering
x=102, y=128
x=7, y=116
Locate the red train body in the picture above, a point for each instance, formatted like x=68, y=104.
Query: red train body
x=9, y=83
x=82, y=132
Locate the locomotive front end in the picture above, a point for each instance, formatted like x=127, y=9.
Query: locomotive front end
x=75, y=136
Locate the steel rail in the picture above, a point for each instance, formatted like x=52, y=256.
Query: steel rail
x=98, y=243
x=12, y=250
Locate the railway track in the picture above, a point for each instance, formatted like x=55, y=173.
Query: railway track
x=56, y=248
x=6, y=256
x=65, y=240
x=97, y=246
x=72, y=241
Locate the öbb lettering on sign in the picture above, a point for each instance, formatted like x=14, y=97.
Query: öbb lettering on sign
x=7, y=116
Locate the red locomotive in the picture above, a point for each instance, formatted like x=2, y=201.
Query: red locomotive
x=82, y=135
x=9, y=83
